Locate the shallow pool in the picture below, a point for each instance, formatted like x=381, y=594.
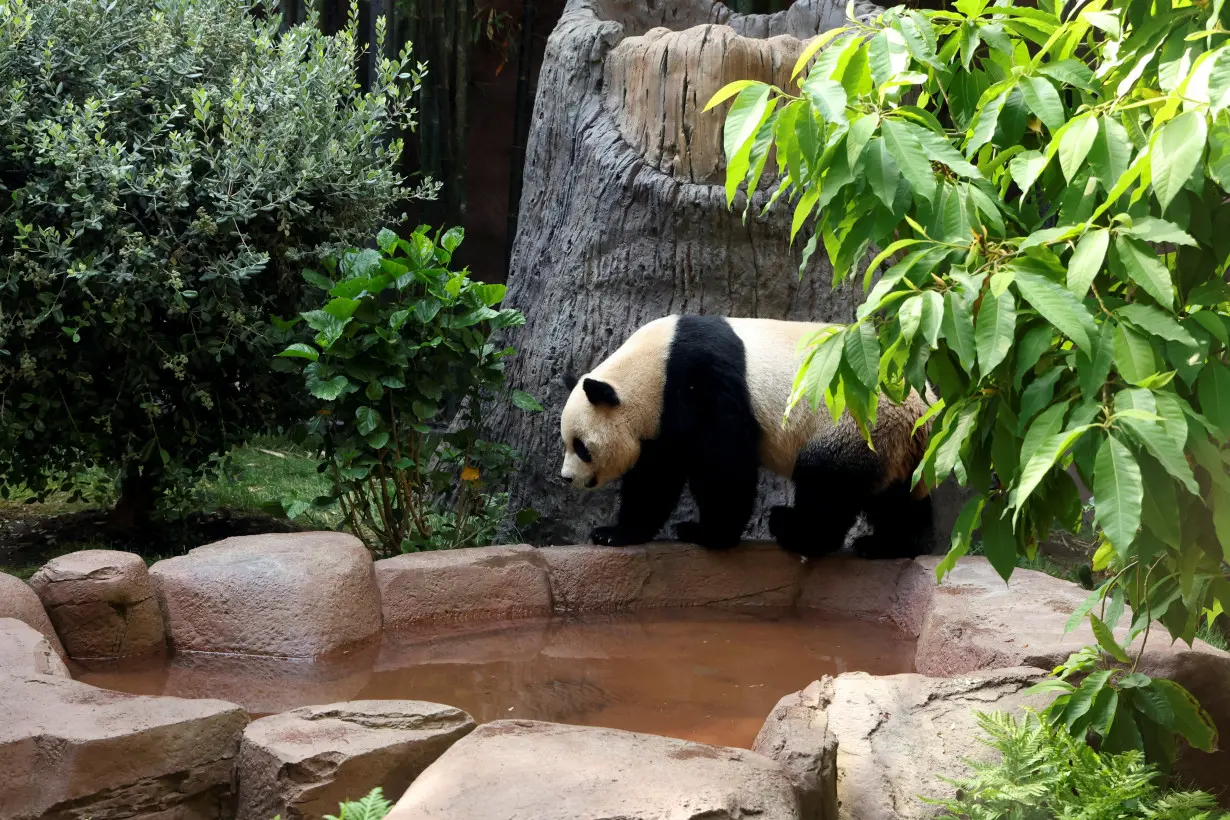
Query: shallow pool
x=704, y=674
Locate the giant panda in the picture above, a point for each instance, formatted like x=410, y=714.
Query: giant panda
x=700, y=399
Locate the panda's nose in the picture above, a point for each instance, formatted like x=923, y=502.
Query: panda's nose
x=593, y=482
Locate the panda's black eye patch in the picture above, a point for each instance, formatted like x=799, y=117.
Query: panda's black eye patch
x=581, y=450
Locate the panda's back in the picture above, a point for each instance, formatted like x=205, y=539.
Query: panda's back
x=773, y=352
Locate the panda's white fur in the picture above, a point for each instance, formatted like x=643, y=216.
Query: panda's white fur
x=613, y=431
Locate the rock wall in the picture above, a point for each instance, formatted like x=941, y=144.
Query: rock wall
x=624, y=219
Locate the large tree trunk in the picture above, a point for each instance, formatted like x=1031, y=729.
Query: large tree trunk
x=623, y=217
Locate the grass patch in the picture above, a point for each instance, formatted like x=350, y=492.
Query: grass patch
x=246, y=495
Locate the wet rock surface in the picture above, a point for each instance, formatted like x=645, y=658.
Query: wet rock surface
x=18, y=600
x=300, y=595
x=102, y=604
x=301, y=764
x=71, y=751
x=548, y=771
x=867, y=746
x=25, y=650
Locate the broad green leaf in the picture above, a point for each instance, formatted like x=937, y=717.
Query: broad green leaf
x=995, y=330
x=730, y=89
x=1082, y=699
x=327, y=390
x=1118, y=493
x=1086, y=606
x=957, y=326
x=982, y=130
x=742, y=122
x=823, y=367
x=967, y=521
x=881, y=171
x=1048, y=424
x=932, y=317
x=1174, y=152
x=368, y=420
x=812, y=47
x=1102, y=714
x=1093, y=370
x=857, y=138
x=331, y=327
x=1160, y=508
x=1043, y=460
x=1057, y=306
x=1213, y=389
x=1043, y=100
x=949, y=452
x=887, y=55
x=1049, y=685
x=1072, y=72
x=828, y=97
x=862, y=352
x=1034, y=343
x=1159, y=230
x=998, y=538
x=806, y=204
x=1111, y=153
x=1163, y=447
x=301, y=351
x=1074, y=146
x=524, y=401
x=1087, y=261
x=1190, y=719
x=937, y=147
x=1133, y=355
x=1157, y=322
x=1144, y=268
x=1220, y=503
x=911, y=159
x=1025, y=168
x=910, y=316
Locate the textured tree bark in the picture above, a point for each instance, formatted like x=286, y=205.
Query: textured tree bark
x=623, y=216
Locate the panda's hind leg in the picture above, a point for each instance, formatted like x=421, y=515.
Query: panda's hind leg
x=833, y=480
x=902, y=525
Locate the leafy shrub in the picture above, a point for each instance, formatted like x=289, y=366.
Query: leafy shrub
x=1048, y=188
x=403, y=359
x=1043, y=774
x=168, y=166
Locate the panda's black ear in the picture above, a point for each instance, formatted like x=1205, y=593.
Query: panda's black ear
x=570, y=381
x=600, y=393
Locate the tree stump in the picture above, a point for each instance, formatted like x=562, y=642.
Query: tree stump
x=623, y=215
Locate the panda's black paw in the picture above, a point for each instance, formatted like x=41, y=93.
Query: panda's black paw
x=615, y=537
x=693, y=532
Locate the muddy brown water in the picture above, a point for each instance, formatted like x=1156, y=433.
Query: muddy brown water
x=703, y=674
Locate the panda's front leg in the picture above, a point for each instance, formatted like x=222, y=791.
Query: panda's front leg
x=725, y=498
x=648, y=494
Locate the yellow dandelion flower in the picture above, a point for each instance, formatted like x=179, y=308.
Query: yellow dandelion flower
x=469, y=473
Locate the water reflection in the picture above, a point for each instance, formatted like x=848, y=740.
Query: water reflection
x=703, y=674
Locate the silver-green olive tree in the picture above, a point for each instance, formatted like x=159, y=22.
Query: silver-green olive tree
x=1046, y=189
x=168, y=167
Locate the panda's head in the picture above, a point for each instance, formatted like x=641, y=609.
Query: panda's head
x=600, y=440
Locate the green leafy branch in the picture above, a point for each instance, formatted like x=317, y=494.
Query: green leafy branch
x=1042, y=192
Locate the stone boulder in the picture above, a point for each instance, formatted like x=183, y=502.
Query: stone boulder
x=68, y=750
x=18, y=601
x=301, y=764
x=796, y=735
x=25, y=650
x=297, y=595
x=102, y=604
x=546, y=771
x=477, y=583
x=973, y=620
x=872, y=745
